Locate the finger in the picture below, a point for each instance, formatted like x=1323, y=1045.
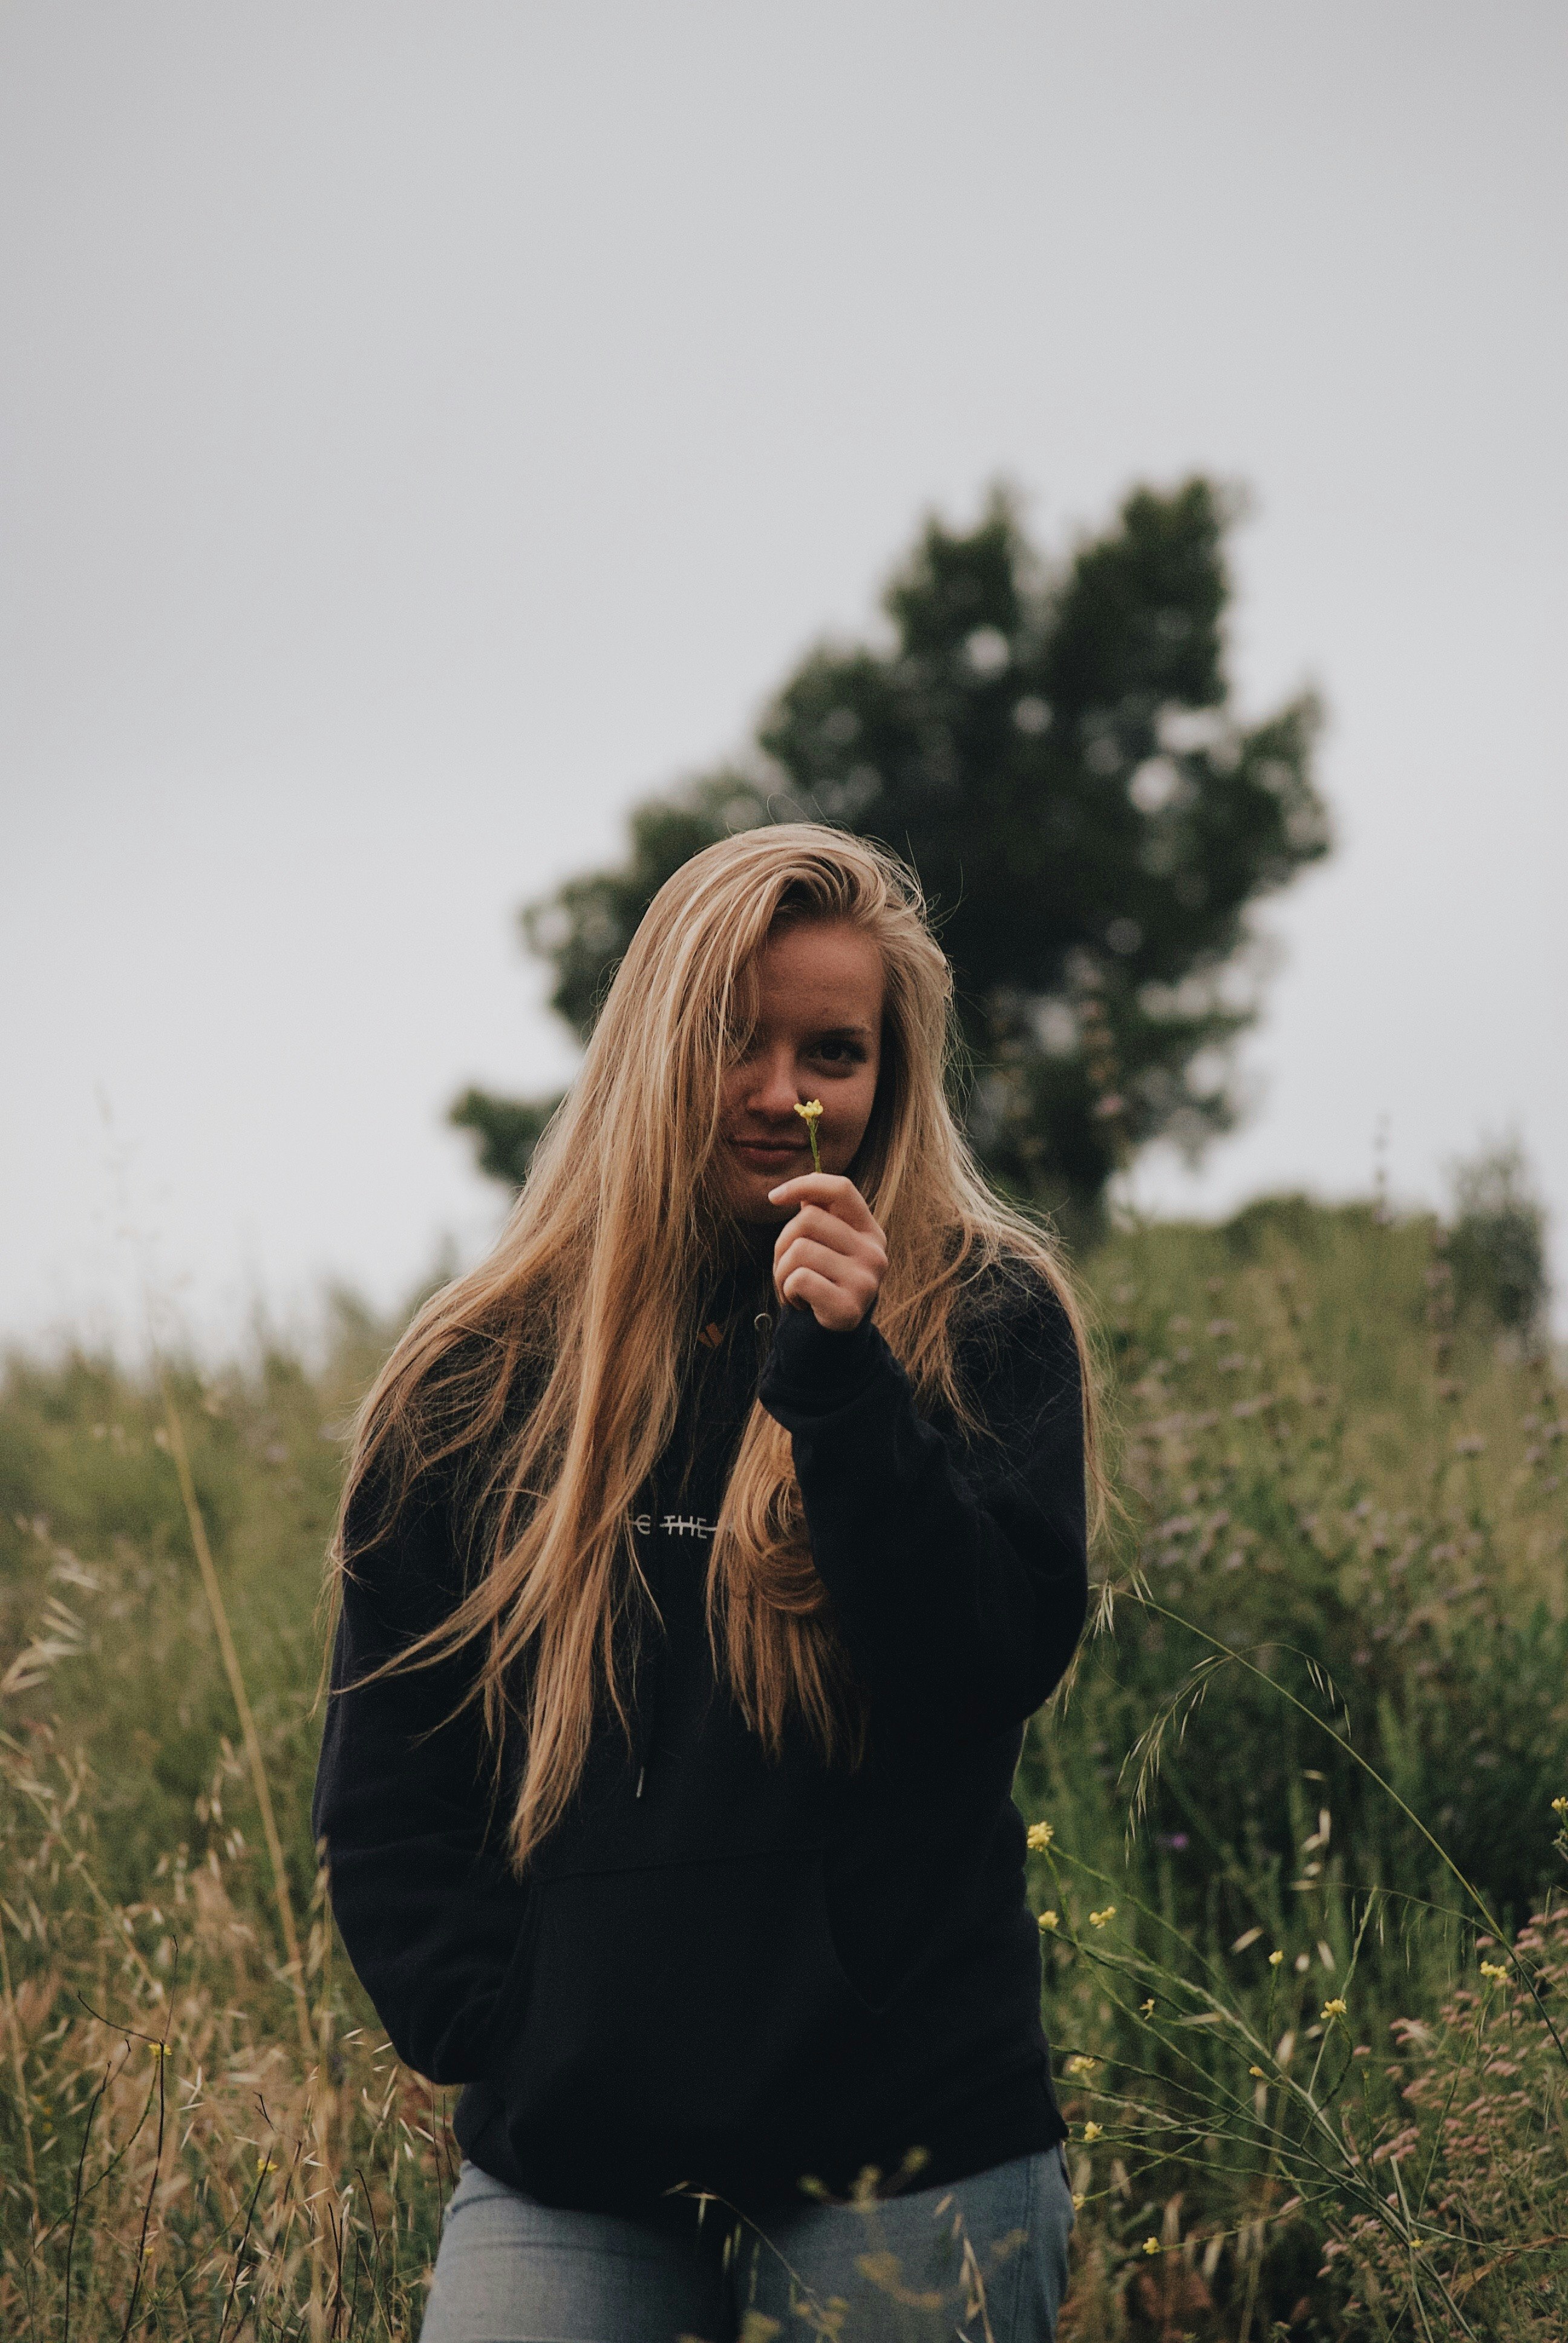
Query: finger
x=831, y=1191
x=849, y=1269
x=828, y=1304
x=827, y=1229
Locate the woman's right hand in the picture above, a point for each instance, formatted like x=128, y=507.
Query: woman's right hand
x=831, y=1257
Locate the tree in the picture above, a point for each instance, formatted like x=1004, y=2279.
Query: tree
x=1058, y=757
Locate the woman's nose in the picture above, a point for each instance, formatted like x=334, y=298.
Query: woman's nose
x=775, y=1088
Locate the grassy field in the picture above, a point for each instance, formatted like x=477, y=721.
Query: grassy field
x=1303, y=1891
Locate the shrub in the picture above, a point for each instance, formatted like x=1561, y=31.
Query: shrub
x=1498, y=1248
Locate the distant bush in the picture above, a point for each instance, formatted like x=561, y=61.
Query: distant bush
x=1498, y=1247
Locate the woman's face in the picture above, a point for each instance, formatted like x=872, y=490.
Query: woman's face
x=818, y=1036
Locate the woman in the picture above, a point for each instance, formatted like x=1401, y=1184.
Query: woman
x=703, y=1556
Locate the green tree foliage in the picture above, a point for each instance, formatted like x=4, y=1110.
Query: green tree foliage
x=1057, y=755
x=505, y=1131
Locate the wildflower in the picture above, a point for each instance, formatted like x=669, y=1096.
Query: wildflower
x=264, y=2165
x=1330, y=2009
x=157, y=2049
x=1050, y=1920
x=811, y=1114
x=1092, y=2132
x=1560, y=1808
x=1099, y=1919
x=1081, y=2064
x=1274, y=1959
x=1259, y=2073
x=1147, y=2009
x=1151, y=2245
x=1494, y=1969
x=1040, y=1836
x=1079, y=2201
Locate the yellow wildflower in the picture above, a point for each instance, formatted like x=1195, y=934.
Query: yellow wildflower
x=1494, y=1969
x=1147, y=2009
x=811, y=1114
x=1151, y=2245
x=264, y=2164
x=1259, y=2073
x=1560, y=1807
x=1274, y=1959
x=1081, y=2064
x=1040, y=1836
x=1079, y=2201
x=157, y=2049
x=1092, y=2132
x=1050, y=1920
x=1099, y=1919
x=1331, y=2009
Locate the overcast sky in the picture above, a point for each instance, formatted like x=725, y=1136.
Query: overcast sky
x=428, y=429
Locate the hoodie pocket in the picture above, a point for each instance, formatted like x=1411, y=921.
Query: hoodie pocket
x=664, y=2020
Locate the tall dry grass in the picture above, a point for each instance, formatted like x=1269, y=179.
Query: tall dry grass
x=205, y=2130
x=1302, y=1788
x=1333, y=1636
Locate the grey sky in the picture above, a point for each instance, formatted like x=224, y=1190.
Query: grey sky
x=429, y=427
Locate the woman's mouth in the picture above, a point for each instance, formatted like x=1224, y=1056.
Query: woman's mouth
x=767, y=1154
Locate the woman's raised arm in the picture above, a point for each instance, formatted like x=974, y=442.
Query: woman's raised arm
x=957, y=1563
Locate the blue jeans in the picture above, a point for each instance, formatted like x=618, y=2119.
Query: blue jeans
x=986, y=2257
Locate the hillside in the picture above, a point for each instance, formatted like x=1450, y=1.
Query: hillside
x=1344, y=1547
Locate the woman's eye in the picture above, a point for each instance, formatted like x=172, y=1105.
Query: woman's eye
x=834, y=1053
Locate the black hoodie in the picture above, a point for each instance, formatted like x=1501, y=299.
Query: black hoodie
x=724, y=1969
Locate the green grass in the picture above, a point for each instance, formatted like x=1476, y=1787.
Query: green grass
x=1332, y=1642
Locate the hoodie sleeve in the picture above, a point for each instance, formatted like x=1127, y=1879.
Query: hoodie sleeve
x=957, y=1562
x=425, y=1903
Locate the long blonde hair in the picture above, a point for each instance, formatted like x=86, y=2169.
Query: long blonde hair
x=589, y=1307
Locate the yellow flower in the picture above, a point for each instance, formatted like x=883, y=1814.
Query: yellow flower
x=1050, y=1920
x=1259, y=2073
x=1274, y=1959
x=1079, y=2202
x=811, y=1114
x=1151, y=2245
x=1147, y=2010
x=264, y=2164
x=1079, y=2065
x=1040, y=1836
x=1092, y=2132
x=157, y=2049
x=1099, y=1919
x=1560, y=1807
x=1331, y=2009
x=1494, y=1969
